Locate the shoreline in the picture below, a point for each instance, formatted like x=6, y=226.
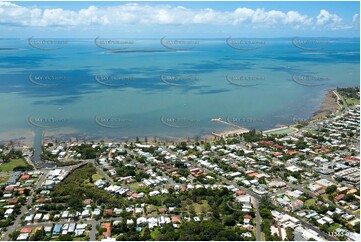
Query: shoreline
x=328, y=106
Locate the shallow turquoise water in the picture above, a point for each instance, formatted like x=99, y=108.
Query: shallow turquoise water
x=82, y=90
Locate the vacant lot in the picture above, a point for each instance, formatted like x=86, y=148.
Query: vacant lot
x=3, y=179
x=200, y=208
x=310, y=202
x=9, y=166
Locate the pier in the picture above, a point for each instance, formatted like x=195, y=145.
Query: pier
x=239, y=130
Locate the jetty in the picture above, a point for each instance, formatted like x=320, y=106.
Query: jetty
x=238, y=129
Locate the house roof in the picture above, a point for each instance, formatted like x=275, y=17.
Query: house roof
x=13, y=201
x=87, y=201
x=107, y=233
x=175, y=219
x=24, y=177
x=339, y=197
x=26, y=230
x=253, y=174
x=240, y=192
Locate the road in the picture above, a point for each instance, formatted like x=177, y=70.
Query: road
x=258, y=222
x=24, y=208
x=93, y=231
x=251, y=193
x=102, y=173
x=258, y=217
x=30, y=162
x=311, y=194
x=340, y=97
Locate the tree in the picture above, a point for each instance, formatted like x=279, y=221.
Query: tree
x=39, y=235
x=349, y=197
x=14, y=235
x=266, y=213
x=324, y=227
x=27, y=192
x=262, y=180
x=146, y=234
x=265, y=202
x=65, y=237
x=357, y=227
x=331, y=189
x=289, y=233
x=229, y=220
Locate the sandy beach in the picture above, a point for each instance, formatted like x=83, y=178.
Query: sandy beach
x=328, y=106
x=19, y=137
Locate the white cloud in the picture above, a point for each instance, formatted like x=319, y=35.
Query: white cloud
x=356, y=18
x=134, y=13
x=327, y=19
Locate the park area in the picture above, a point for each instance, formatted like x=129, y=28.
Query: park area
x=9, y=166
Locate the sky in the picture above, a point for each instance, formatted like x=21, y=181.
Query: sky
x=179, y=19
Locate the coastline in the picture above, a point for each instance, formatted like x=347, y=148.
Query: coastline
x=328, y=106
x=23, y=137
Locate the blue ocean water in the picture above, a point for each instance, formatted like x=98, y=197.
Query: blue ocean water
x=140, y=87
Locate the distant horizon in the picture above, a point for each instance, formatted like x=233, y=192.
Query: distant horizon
x=197, y=19
x=157, y=38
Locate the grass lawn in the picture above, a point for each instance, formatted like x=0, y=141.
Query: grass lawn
x=198, y=207
x=254, y=231
x=358, y=212
x=3, y=179
x=310, y=202
x=9, y=166
x=325, y=196
x=134, y=186
x=352, y=101
x=155, y=233
x=284, y=130
x=333, y=227
x=263, y=237
x=83, y=238
x=96, y=177
x=312, y=131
